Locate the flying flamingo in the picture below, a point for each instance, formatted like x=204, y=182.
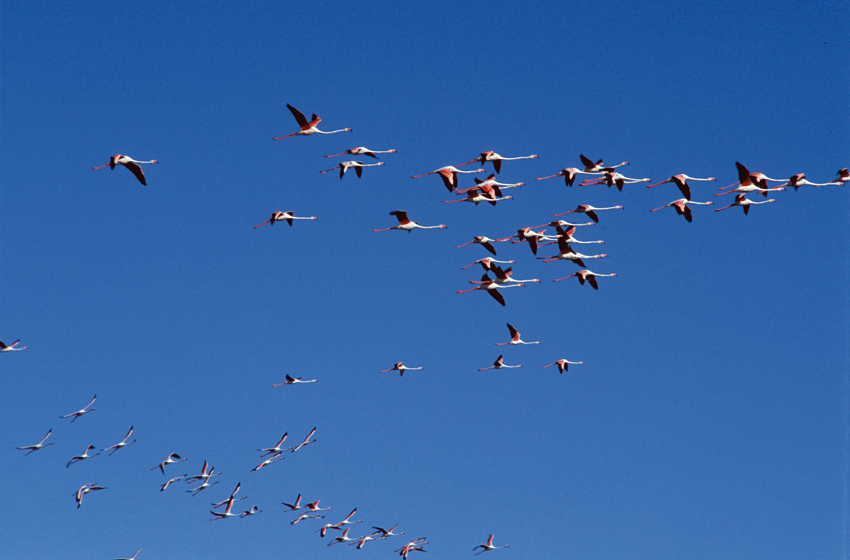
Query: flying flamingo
x=498, y=364
x=744, y=202
x=205, y=474
x=85, y=489
x=760, y=180
x=750, y=185
x=129, y=163
x=564, y=224
x=346, y=521
x=406, y=224
x=231, y=499
x=280, y=216
x=37, y=446
x=411, y=546
x=681, y=206
x=170, y=460
x=227, y=513
x=563, y=365
x=612, y=178
x=490, y=182
x=843, y=176
x=799, y=180
x=361, y=151
x=491, y=287
x=401, y=368
x=251, y=511
x=297, y=505
x=343, y=538
x=533, y=237
x=314, y=506
x=487, y=263
x=83, y=457
x=681, y=181
x=485, y=242
x=449, y=174
x=356, y=165
x=294, y=380
x=204, y=486
x=307, y=516
x=132, y=557
x=515, y=339
x=122, y=443
x=273, y=459
x=569, y=175
x=307, y=127
x=598, y=168
x=589, y=210
x=306, y=440
x=504, y=277
x=487, y=546
x=367, y=538
x=567, y=236
x=80, y=412
x=566, y=253
x=497, y=160
x=583, y=275
x=175, y=479
x=11, y=347
x=385, y=534
x=477, y=194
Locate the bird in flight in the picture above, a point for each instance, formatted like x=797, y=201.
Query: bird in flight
x=281, y=216
x=515, y=339
x=37, y=446
x=406, y=223
x=491, y=287
x=487, y=546
x=170, y=460
x=122, y=443
x=681, y=207
x=399, y=367
x=129, y=163
x=11, y=347
x=498, y=364
x=307, y=127
x=361, y=151
x=294, y=380
x=357, y=166
x=81, y=411
x=563, y=365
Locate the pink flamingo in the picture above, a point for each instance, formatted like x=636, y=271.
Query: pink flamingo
x=227, y=513
x=799, y=180
x=37, y=446
x=314, y=506
x=361, y=151
x=589, y=210
x=204, y=486
x=411, y=546
x=504, y=277
x=569, y=175
x=11, y=347
x=132, y=557
x=281, y=216
x=681, y=181
x=231, y=499
x=490, y=182
x=485, y=242
x=306, y=441
x=129, y=163
x=83, y=457
x=481, y=194
x=307, y=516
x=342, y=539
x=367, y=538
x=356, y=165
x=681, y=206
x=251, y=511
x=122, y=443
x=566, y=253
x=401, y=368
x=175, y=479
x=297, y=505
x=612, y=178
x=346, y=521
x=583, y=275
x=205, y=473
x=498, y=364
x=590, y=167
x=515, y=339
x=491, y=288
x=567, y=236
x=487, y=263
x=406, y=224
x=294, y=381
x=449, y=174
x=273, y=459
x=276, y=449
x=385, y=534
x=307, y=127
x=565, y=224
x=744, y=202
x=170, y=460
x=487, y=546
x=563, y=365
x=497, y=160
x=85, y=489
x=81, y=411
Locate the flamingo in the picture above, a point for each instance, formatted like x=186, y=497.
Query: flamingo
x=170, y=460
x=306, y=441
x=280, y=216
x=485, y=242
x=122, y=443
x=563, y=365
x=307, y=516
x=497, y=160
x=566, y=253
x=343, y=538
x=681, y=206
x=515, y=339
x=799, y=180
x=487, y=263
x=83, y=457
x=449, y=174
x=750, y=185
x=590, y=167
x=129, y=163
x=490, y=182
x=406, y=224
x=81, y=411
x=411, y=546
x=589, y=210
x=361, y=151
x=843, y=176
x=567, y=236
x=297, y=505
x=487, y=546
x=564, y=224
x=385, y=534
x=612, y=178
x=294, y=381
x=744, y=202
x=175, y=479
x=760, y=180
x=37, y=446
x=681, y=181
x=498, y=364
x=339, y=525
x=251, y=511
x=205, y=474
x=11, y=347
x=401, y=368
x=569, y=175
x=583, y=275
x=231, y=499
x=132, y=557
x=486, y=194
x=356, y=165
x=504, y=277
x=85, y=489
x=367, y=538
x=491, y=287
x=533, y=237
x=307, y=127
x=204, y=486
x=314, y=506
x=227, y=513
x=273, y=459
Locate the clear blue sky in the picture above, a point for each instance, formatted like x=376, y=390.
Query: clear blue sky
x=710, y=419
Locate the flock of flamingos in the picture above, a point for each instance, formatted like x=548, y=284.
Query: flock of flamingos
x=487, y=190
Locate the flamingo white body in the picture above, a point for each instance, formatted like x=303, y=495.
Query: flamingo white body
x=515, y=338
x=491, y=287
x=750, y=186
x=361, y=151
x=598, y=167
x=357, y=166
x=533, y=238
x=613, y=178
x=568, y=173
x=491, y=182
x=799, y=180
x=206, y=473
x=252, y=511
x=563, y=365
x=745, y=203
x=567, y=236
x=227, y=513
x=281, y=216
x=481, y=194
x=84, y=410
x=170, y=460
x=297, y=505
x=306, y=441
x=11, y=347
x=129, y=163
x=204, y=486
x=487, y=263
x=564, y=224
x=175, y=479
x=363, y=540
x=314, y=506
x=308, y=128
x=566, y=252
x=681, y=181
x=484, y=241
x=589, y=210
x=304, y=516
x=343, y=538
x=497, y=160
x=411, y=546
x=132, y=557
x=406, y=224
x=37, y=446
x=273, y=459
x=230, y=499
x=681, y=207
x=85, y=489
x=487, y=546
x=122, y=443
x=83, y=457
x=587, y=275
x=400, y=368
x=449, y=174
x=498, y=364
x=504, y=277
x=385, y=534
x=294, y=381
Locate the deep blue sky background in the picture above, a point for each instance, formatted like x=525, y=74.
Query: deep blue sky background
x=710, y=419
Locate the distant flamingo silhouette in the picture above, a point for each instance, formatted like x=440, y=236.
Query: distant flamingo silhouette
x=515, y=338
x=405, y=223
x=37, y=446
x=491, y=287
x=487, y=263
x=497, y=160
x=681, y=206
x=589, y=210
x=563, y=365
x=11, y=347
x=449, y=174
x=307, y=127
x=294, y=381
x=681, y=181
x=361, y=151
x=281, y=216
x=400, y=368
x=583, y=275
x=129, y=163
x=356, y=165
x=487, y=546
x=745, y=203
x=498, y=364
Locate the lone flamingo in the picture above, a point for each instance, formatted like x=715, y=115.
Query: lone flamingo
x=681, y=181
x=497, y=160
x=515, y=338
x=406, y=224
x=563, y=365
x=281, y=216
x=487, y=546
x=294, y=381
x=589, y=210
x=498, y=364
x=356, y=165
x=81, y=411
x=449, y=174
x=11, y=347
x=37, y=446
x=491, y=287
x=307, y=127
x=129, y=163
x=583, y=275
x=745, y=203
x=400, y=368
x=681, y=206
x=132, y=557
x=361, y=151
